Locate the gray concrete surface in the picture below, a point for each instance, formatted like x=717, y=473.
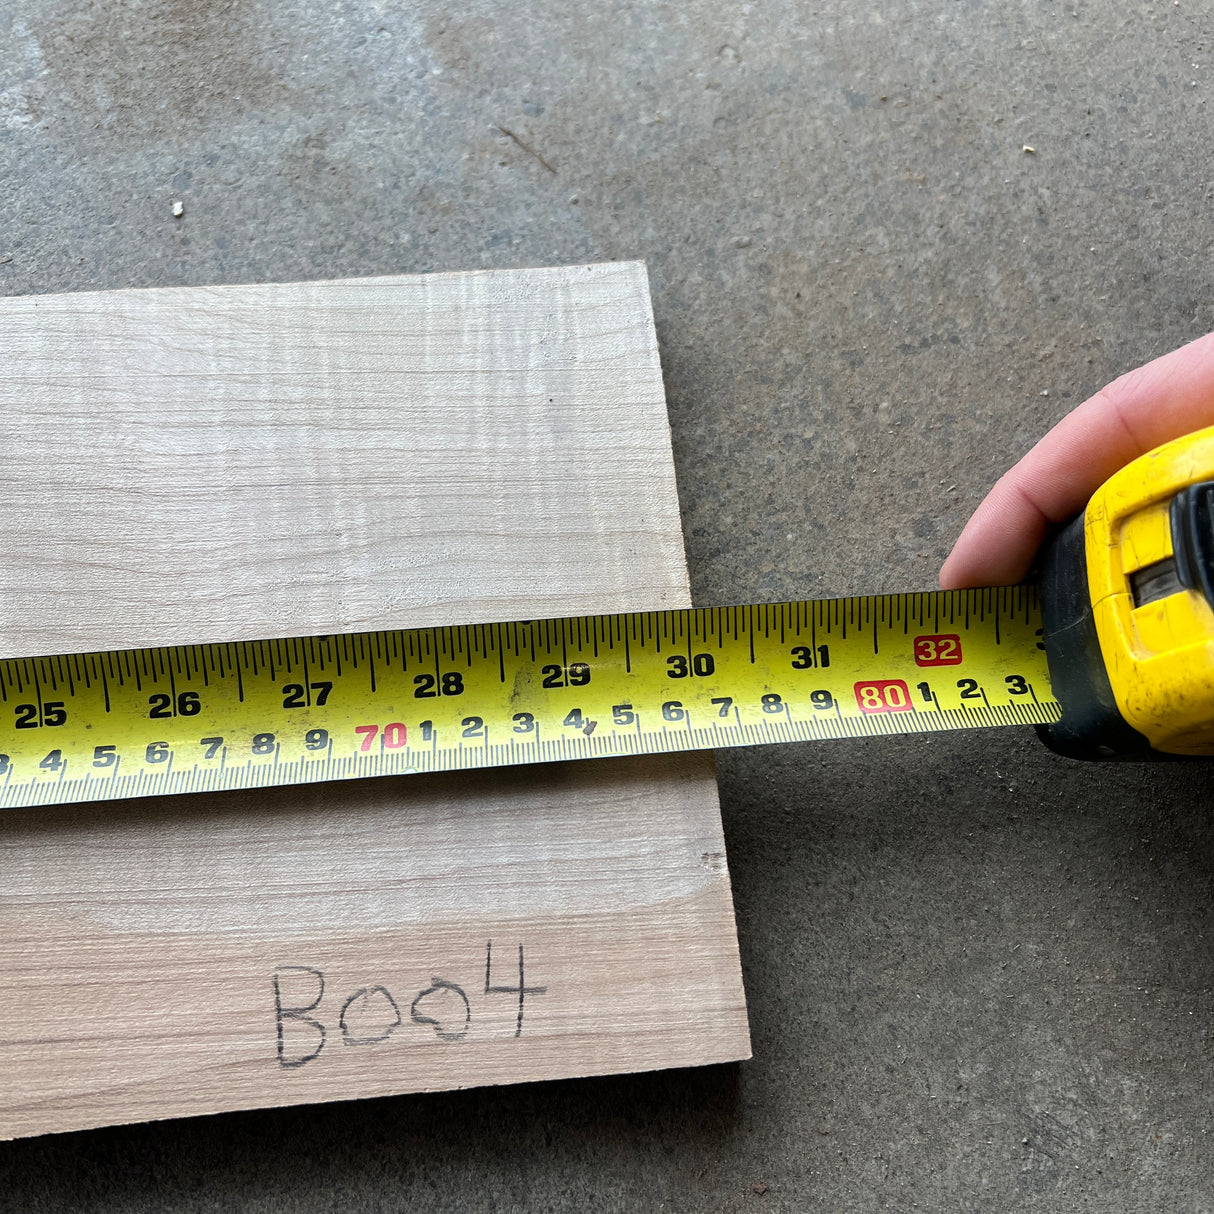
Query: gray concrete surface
x=979, y=976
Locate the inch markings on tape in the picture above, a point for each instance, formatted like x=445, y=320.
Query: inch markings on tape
x=249, y=714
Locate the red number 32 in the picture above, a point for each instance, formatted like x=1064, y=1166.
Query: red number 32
x=938, y=650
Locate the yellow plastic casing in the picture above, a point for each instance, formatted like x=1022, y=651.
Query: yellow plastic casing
x=1160, y=656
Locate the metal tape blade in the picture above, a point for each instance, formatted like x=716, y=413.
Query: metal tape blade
x=103, y=726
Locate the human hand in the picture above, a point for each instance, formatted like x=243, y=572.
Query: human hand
x=1168, y=398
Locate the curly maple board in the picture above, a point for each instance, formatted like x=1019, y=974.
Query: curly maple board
x=208, y=464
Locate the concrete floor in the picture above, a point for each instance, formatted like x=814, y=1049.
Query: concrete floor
x=979, y=976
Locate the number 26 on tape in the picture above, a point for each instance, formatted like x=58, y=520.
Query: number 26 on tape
x=883, y=695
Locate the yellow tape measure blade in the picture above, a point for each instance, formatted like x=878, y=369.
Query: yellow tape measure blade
x=305, y=709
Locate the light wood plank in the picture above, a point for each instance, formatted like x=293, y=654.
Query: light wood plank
x=226, y=463
x=237, y=462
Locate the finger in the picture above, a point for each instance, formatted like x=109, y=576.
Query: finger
x=1172, y=396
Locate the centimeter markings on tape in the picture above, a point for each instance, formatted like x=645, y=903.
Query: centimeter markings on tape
x=250, y=714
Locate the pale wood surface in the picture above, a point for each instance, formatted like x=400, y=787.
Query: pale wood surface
x=227, y=463
x=191, y=465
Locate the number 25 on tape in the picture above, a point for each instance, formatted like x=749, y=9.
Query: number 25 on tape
x=883, y=695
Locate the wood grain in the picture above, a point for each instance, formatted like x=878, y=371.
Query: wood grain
x=190, y=465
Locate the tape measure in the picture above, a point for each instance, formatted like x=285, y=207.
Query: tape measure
x=251, y=714
x=1113, y=657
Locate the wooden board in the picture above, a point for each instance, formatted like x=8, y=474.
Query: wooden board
x=239, y=462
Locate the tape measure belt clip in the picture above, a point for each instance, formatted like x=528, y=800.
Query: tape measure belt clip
x=1092, y=726
x=1192, y=519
